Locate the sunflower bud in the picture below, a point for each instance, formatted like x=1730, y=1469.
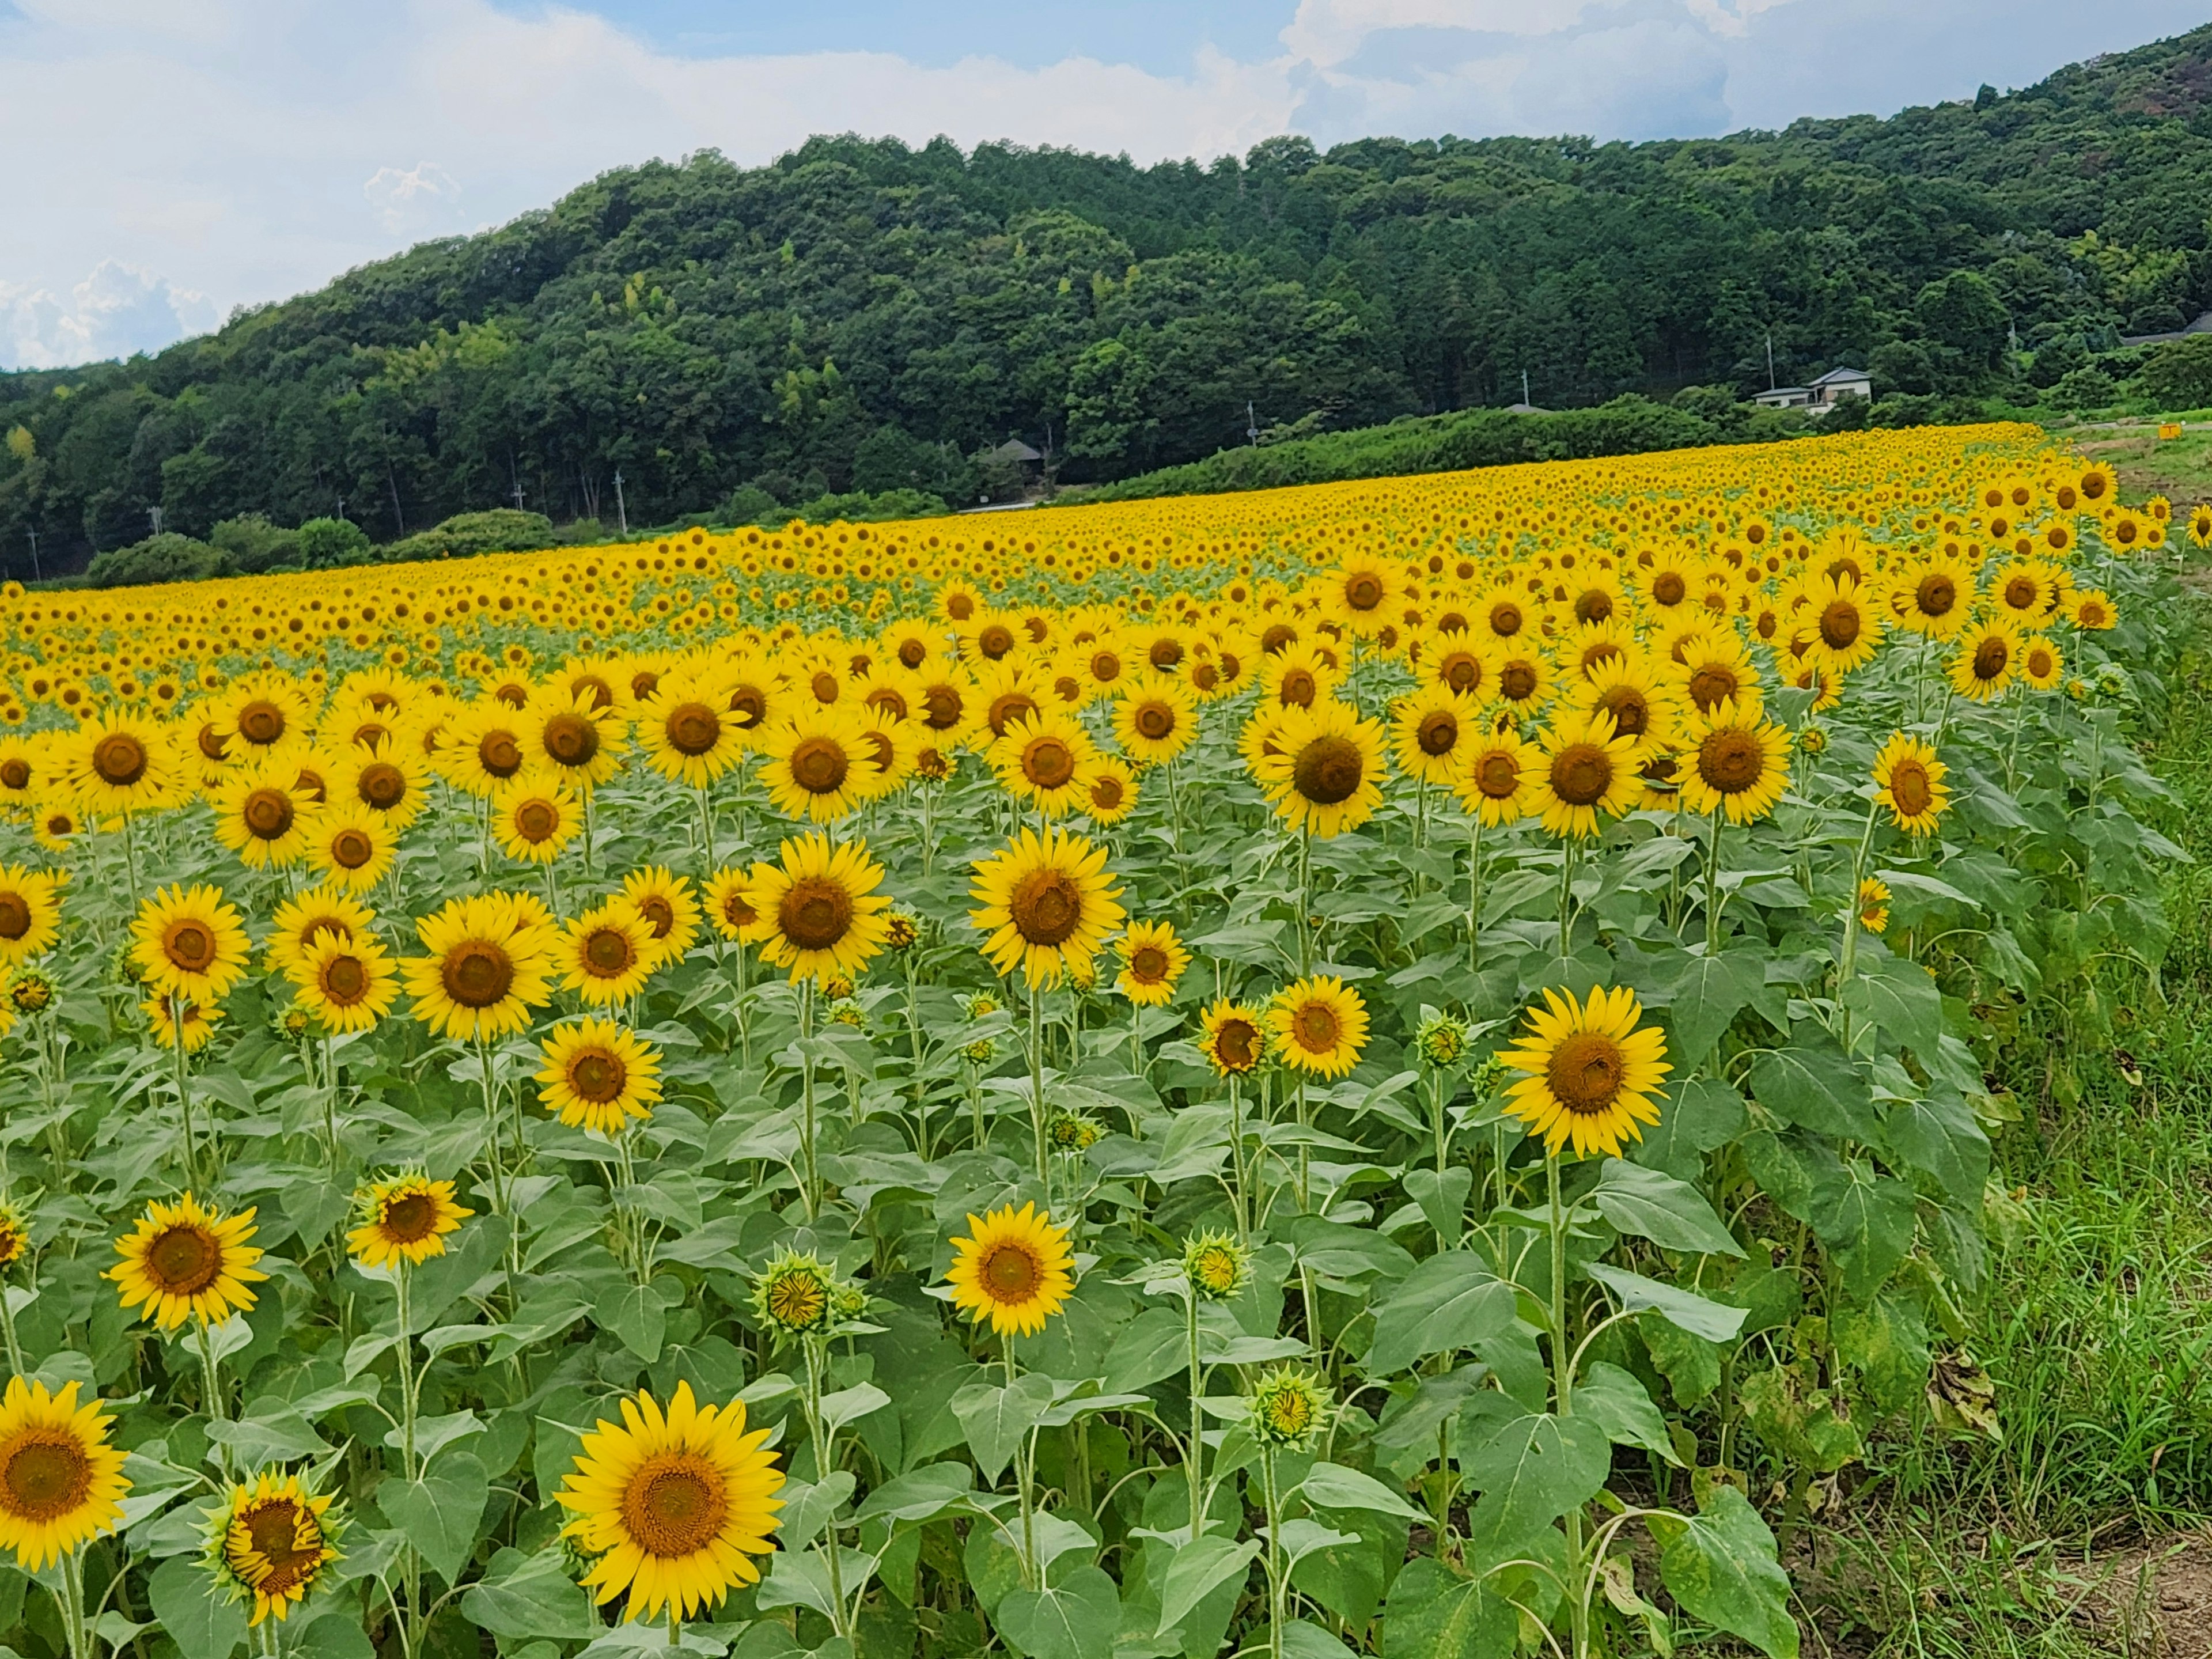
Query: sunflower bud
x=14, y=1236
x=30, y=992
x=1813, y=740
x=270, y=1543
x=1074, y=1132
x=1217, y=1267
x=1442, y=1040
x=1290, y=1408
x=901, y=931
x=795, y=1295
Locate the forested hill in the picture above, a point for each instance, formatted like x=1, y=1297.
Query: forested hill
x=863, y=315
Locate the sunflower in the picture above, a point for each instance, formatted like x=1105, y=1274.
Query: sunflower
x=119, y=763
x=301, y=919
x=1499, y=783
x=61, y=1484
x=2041, y=663
x=2200, y=525
x=1909, y=780
x=1644, y=705
x=347, y=983
x=795, y=1295
x=598, y=1075
x=272, y=1543
x=1432, y=729
x=2026, y=590
x=1318, y=1024
x=1297, y=676
x=55, y=825
x=262, y=815
x=817, y=765
x=171, y=1020
x=1047, y=903
x=2090, y=609
x=1845, y=624
x=1290, y=1408
x=353, y=848
x=189, y=942
x=1152, y=960
x=1987, y=659
x=1873, y=904
x=185, y=1260
x=489, y=962
x=578, y=735
x=1012, y=1268
x=1587, y=774
x=1155, y=718
x=404, y=1219
x=266, y=710
x=1590, y=1075
x=1934, y=598
x=1232, y=1038
x=671, y=1507
x=30, y=911
x=1215, y=1266
x=389, y=780
x=1715, y=667
x=817, y=912
x=1357, y=592
x=1326, y=774
x=484, y=746
x=728, y=908
x=1457, y=662
x=14, y=1236
x=1734, y=762
x=607, y=953
x=1525, y=676
x=1041, y=760
x=664, y=900
x=1109, y=789
x=535, y=815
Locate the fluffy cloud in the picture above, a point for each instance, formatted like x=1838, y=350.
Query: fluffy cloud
x=117, y=310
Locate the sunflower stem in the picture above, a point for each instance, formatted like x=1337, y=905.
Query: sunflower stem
x=407, y=1378
x=1563, y=1389
x=211, y=1400
x=8, y=1328
x=807, y=1097
x=1713, y=888
x=825, y=1446
x=1847, y=963
x=1475, y=891
x=1305, y=900
x=1276, y=1590
x=71, y=1599
x=184, y=1093
x=706, y=829
x=1037, y=1083
x=1195, y=1459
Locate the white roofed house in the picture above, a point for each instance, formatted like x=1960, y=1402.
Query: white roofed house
x=1818, y=398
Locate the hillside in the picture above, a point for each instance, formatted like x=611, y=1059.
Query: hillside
x=863, y=315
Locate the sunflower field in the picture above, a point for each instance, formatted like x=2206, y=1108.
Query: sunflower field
x=1404, y=1067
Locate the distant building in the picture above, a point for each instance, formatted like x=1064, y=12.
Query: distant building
x=1016, y=453
x=1818, y=398
x=2201, y=325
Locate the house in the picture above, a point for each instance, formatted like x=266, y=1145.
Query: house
x=1818, y=398
x=2201, y=325
x=1019, y=457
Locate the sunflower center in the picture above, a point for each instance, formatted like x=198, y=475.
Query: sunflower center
x=815, y=913
x=1991, y=658
x=675, y=1504
x=2039, y=662
x=818, y=765
x=1106, y=792
x=795, y=1299
x=1839, y=625
x=478, y=974
x=658, y=914
x=1910, y=788
x=1105, y=667
x=536, y=819
x=1497, y=776
x=1297, y=688
x=268, y=813
x=500, y=754
x=1046, y=908
x=644, y=683
x=1668, y=587
x=1008, y=708
x=351, y=848
x=1632, y=713
x=1461, y=671
x=941, y=706
x=571, y=739
x=1165, y=654
x=1580, y=774
x=1437, y=733
x=190, y=944
x=1328, y=770
x=595, y=691
x=1148, y=964
x=382, y=786
x=345, y=981
x=889, y=701
x=1505, y=621
x=1237, y=1042
x=15, y=773
x=183, y=1260
x=1936, y=596
x=15, y=915
x=411, y=1218
x=912, y=653
x=1516, y=681
x=1291, y=1412
x=1011, y=1273
x=212, y=744
x=1363, y=592
x=261, y=722
x=1155, y=720
x=608, y=952
x=692, y=728
x=1316, y=1028
x=119, y=759
x=1730, y=760
x=598, y=1075
x=995, y=640
x=1585, y=1072
x=44, y=1478
x=1714, y=682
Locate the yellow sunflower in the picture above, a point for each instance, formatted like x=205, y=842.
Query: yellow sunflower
x=1587, y=774
x=1432, y=728
x=598, y=1075
x=818, y=766
x=272, y=1543
x=1326, y=774
x=2090, y=609
x=1844, y=620
x=318, y=910
x=1152, y=960
x=1155, y=718
x=1715, y=667
x=404, y=1219
x=817, y=912
x=489, y=962
x=119, y=763
x=535, y=816
x=1591, y=1074
x=1046, y=904
x=727, y=908
x=1109, y=790
x=1318, y=1024
x=1734, y=762
x=664, y=900
x=185, y=1260
x=61, y=1484
x=1645, y=706
x=2041, y=663
x=188, y=941
x=579, y=736
x=1041, y=760
x=607, y=953
x=1499, y=783
x=1909, y=780
x=671, y=1507
x=262, y=815
x=347, y=983
x=1987, y=659
x=1874, y=904
x=1232, y=1038
x=30, y=911
x=353, y=847
x=170, y=1020
x=1012, y=1268
x=484, y=747
x=390, y=780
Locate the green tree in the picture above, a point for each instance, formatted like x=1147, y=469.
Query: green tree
x=326, y=544
x=2179, y=374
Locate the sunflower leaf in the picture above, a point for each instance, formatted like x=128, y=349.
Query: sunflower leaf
x=996, y=1419
x=1075, y=1619
x=201, y=1627
x=439, y=1513
x=1685, y=1310
x=1671, y=1214
x=1452, y=1300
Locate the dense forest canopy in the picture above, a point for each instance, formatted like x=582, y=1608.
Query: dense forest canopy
x=863, y=315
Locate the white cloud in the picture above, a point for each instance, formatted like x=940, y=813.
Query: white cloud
x=413, y=198
x=117, y=310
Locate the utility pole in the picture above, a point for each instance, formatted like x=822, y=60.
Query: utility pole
x=1525, y=403
x=36, y=575
x=341, y=507
x=153, y=517
x=621, y=511
x=1251, y=425
x=516, y=477
x=1770, y=360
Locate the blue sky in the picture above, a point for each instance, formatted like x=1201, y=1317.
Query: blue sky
x=172, y=159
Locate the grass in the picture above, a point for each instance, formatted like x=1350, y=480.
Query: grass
x=2179, y=468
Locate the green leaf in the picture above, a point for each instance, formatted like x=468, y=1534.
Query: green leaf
x=1333, y=1487
x=1897, y=996
x=1720, y=1565
x=185, y=1601
x=271, y=1432
x=1531, y=1471
x=522, y=1596
x=1706, y=1112
x=1304, y=1639
x=1075, y=1619
x=1671, y=1214
x=1452, y=1300
x=807, y=1508
x=1200, y=1566
x=1699, y=1316
x=634, y=1313
x=1709, y=993
x=1614, y=1400
x=995, y=1418
x=1156, y=1343
x=1442, y=1198
x=1814, y=1082
x=1936, y=1133
x=1434, y=1614
x=439, y=1512
x=1868, y=1220
x=918, y=1494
